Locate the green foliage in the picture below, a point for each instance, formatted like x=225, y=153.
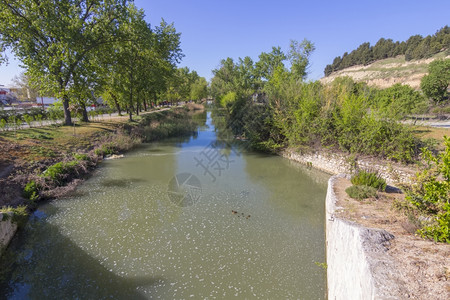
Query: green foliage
x=129, y=82
x=43, y=151
x=199, y=89
x=81, y=156
x=361, y=192
x=106, y=149
x=20, y=214
x=344, y=115
x=310, y=114
x=416, y=47
x=31, y=190
x=398, y=101
x=228, y=99
x=367, y=178
x=55, y=111
x=59, y=171
x=435, y=84
x=59, y=59
x=3, y=124
x=431, y=193
x=169, y=124
x=28, y=119
x=440, y=230
x=39, y=118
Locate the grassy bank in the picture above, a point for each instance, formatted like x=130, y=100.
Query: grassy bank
x=47, y=162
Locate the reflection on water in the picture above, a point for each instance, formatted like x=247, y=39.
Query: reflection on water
x=255, y=231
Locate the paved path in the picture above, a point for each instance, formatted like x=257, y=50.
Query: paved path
x=104, y=117
x=432, y=123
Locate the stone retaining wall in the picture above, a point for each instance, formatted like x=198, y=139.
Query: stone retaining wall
x=336, y=163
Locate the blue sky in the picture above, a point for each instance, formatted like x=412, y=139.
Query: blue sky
x=213, y=30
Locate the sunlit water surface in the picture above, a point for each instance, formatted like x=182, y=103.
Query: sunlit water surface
x=251, y=226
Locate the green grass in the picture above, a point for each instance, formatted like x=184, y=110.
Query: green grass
x=361, y=192
x=371, y=179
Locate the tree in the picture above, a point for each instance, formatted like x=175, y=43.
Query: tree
x=27, y=91
x=141, y=63
x=269, y=62
x=199, y=89
x=53, y=38
x=399, y=100
x=298, y=55
x=224, y=80
x=436, y=83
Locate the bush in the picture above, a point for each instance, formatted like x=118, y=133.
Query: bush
x=55, y=112
x=106, y=149
x=60, y=170
x=361, y=192
x=28, y=119
x=3, y=124
x=399, y=100
x=371, y=179
x=431, y=193
x=31, y=190
x=80, y=156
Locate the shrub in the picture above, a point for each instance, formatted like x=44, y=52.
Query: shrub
x=55, y=112
x=372, y=179
x=60, y=170
x=31, y=190
x=361, y=192
x=28, y=119
x=431, y=193
x=3, y=124
x=39, y=118
x=106, y=149
x=80, y=156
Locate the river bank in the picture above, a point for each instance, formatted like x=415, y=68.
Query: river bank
x=373, y=251
x=44, y=163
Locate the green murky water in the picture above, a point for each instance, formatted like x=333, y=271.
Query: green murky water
x=231, y=224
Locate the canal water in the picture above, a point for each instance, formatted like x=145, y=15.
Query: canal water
x=192, y=218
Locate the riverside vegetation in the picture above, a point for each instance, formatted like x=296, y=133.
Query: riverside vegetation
x=269, y=103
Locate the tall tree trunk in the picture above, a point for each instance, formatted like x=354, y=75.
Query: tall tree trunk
x=67, y=116
x=84, y=116
x=116, y=103
x=138, y=105
x=130, y=108
x=145, y=105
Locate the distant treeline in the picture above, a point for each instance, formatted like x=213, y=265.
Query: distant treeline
x=416, y=47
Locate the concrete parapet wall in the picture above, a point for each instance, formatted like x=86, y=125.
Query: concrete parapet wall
x=358, y=263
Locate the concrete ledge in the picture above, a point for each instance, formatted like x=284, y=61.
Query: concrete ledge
x=358, y=265
x=7, y=230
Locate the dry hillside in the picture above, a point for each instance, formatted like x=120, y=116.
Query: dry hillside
x=387, y=72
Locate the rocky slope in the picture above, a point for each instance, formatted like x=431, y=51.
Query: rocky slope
x=387, y=72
